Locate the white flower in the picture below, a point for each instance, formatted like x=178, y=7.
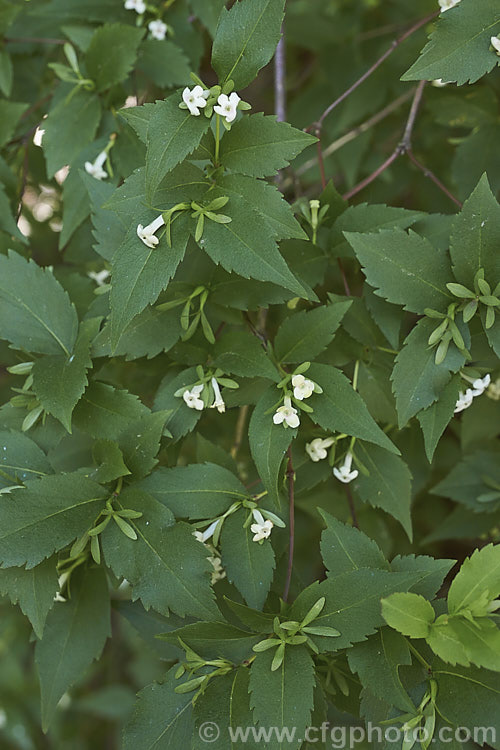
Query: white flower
x=493, y=391
x=99, y=277
x=316, y=449
x=95, y=168
x=495, y=43
x=261, y=529
x=439, y=83
x=202, y=536
x=192, y=398
x=219, y=401
x=480, y=385
x=464, y=400
x=286, y=415
x=302, y=387
x=147, y=234
x=158, y=29
x=218, y=573
x=227, y=106
x=344, y=473
x=194, y=99
x=447, y=4
x=138, y=5
x=61, y=582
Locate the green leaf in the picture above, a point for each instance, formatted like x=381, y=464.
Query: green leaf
x=416, y=379
x=459, y=48
x=239, y=353
x=470, y=698
x=7, y=221
x=162, y=718
x=475, y=237
x=368, y=217
x=248, y=564
x=268, y=444
x=106, y=412
x=301, y=337
x=352, y=604
x=46, y=516
x=182, y=419
x=408, y=613
x=478, y=576
x=74, y=636
x=149, y=333
x=341, y=409
x=6, y=72
x=388, y=485
x=377, y=663
x=345, y=548
x=138, y=118
x=246, y=246
x=208, y=11
x=283, y=698
x=70, y=126
x=166, y=565
x=140, y=442
x=259, y=146
x=465, y=482
x=435, y=419
x=268, y=201
x=245, y=39
x=20, y=459
x=196, y=491
x=104, y=69
x=33, y=590
x=215, y=640
x=164, y=63
x=140, y=273
x=109, y=458
x=173, y=134
x=431, y=572
x=225, y=703
x=480, y=640
x=27, y=319
x=59, y=382
x=10, y=114
x=404, y=268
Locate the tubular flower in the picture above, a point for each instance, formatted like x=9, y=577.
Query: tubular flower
x=158, y=29
x=464, y=400
x=495, y=43
x=227, y=106
x=194, y=99
x=147, y=234
x=302, y=387
x=219, y=401
x=447, y=4
x=343, y=472
x=261, y=528
x=138, y=5
x=192, y=398
x=95, y=168
x=286, y=414
x=317, y=448
x=480, y=385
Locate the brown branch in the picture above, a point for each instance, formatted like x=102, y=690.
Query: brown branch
x=427, y=172
x=280, y=78
x=352, y=507
x=33, y=40
x=376, y=65
x=371, y=177
x=291, y=497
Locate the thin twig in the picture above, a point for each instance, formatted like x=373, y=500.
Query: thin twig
x=405, y=144
x=427, y=172
x=280, y=78
x=376, y=65
x=33, y=40
x=240, y=429
x=352, y=507
x=371, y=177
x=291, y=496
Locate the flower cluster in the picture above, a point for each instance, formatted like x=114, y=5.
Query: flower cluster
x=465, y=398
x=206, y=393
x=157, y=27
x=303, y=388
x=223, y=101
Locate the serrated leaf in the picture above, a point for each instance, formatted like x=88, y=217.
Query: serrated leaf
x=20, y=459
x=106, y=412
x=301, y=337
x=246, y=247
x=248, y=564
x=341, y=409
x=459, y=48
x=283, y=698
x=345, y=548
x=479, y=575
x=196, y=491
x=45, y=516
x=388, y=485
x=416, y=379
x=164, y=63
x=214, y=640
x=140, y=442
x=259, y=145
x=408, y=613
x=465, y=482
x=431, y=572
x=10, y=113
x=105, y=69
x=70, y=126
x=245, y=39
x=268, y=444
x=436, y=417
x=109, y=458
x=475, y=237
x=33, y=590
x=162, y=718
x=225, y=703
x=239, y=353
x=166, y=565
x=404, y=268
x=74, y=636
x=35, y=312
x=377, y=663
x=173, y=134
x=469, y=697
x=182, y=419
